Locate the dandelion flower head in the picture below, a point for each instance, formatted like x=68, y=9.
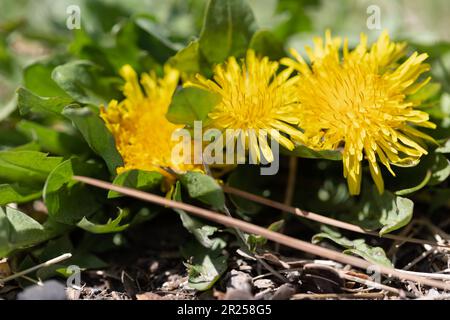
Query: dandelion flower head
x=358, y=102
x=139, y=125
x=255, y=100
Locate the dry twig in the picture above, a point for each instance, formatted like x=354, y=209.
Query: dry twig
x=322, y=219
x=36, y=267
x=271, y=235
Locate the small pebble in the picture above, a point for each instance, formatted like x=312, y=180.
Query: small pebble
x=50, y=290
x=263, y=283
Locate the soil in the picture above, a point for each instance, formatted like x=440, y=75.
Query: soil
x=152, y=268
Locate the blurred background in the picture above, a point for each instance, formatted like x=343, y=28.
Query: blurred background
x=31, y=30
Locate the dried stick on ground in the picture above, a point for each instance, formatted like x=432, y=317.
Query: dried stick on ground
x=271, y=235
x=322, y=219
x=338, y=296
x=50, y=262
x=241, y=235
x=375, y=285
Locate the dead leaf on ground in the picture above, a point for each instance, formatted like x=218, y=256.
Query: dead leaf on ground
x=5, y=270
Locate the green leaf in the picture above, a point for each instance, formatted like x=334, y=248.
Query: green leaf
x=16, y=193
x=141, y=43
x=151, y=38
x=30, y=146
x=189, y=60
x=417, y=187
x=37, y=78
x=10, y=138
x=227, y=30
x=67, y=200
x=56, y=247
x=386, y=211
x=427, y=92
x=108, y=227
x=205, y=267
x=440, y=170
x=444, y=148
x=432, y=169
x=96, y=135
x=191, y=104
x=435, y=49
x=256, y=241
x=85, y=47
x=293, y=17
x=201, y=231
x=18, y=231
x=85, y=83
x=26, y=166
x=371, y=254
x=137, y=179
x=203, y=188
x=397, y=216
x=266, y=44
x=441, y=113
x=304, y=152
x=51, y=140
x=103, y=15
x=358, y=247
x=29, y=102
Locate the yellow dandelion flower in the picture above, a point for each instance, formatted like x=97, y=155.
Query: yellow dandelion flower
x=139, y=125
x=359, y=103
x=255, y=99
